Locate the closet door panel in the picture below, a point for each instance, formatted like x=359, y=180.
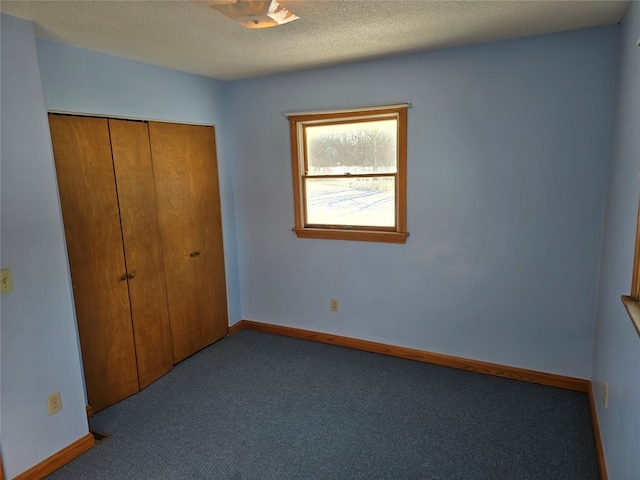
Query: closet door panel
x=210, y=264
x=143, y=251
x=170, y=157
x=94, y=242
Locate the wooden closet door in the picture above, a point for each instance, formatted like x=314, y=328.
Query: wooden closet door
x=188, y=208
x=177, y=232
x=143, y=251
x=212, y=288
x=87, y=188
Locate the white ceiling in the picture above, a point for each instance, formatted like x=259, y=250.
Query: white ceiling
x=191, y=36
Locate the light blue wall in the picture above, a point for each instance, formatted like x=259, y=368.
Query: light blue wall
x=507, y=163
x=617, y=345
x=79, y=80
x=38, y=350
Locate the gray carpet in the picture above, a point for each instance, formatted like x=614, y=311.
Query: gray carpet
x=259, y=406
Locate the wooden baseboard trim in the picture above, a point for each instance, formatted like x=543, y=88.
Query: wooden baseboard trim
x=57, y=460
x=549, y=379
x=235, y=328
x=89, y=411
x=602, y=466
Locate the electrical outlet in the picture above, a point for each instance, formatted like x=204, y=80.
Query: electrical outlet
x=54, y=403
x=6, y=282
x=605, y=394
x=334, y=304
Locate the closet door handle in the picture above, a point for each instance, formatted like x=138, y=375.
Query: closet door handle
x=197, y=252
x=132, y=275
x=123, y=277
x=193, y=254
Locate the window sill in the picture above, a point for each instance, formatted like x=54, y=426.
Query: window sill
x=633, y=309
x=356, y=235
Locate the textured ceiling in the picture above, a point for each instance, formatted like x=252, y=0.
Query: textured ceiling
x=191, y=36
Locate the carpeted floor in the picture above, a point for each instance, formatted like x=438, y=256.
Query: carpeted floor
x=259, y=406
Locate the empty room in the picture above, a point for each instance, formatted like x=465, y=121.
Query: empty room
x=317, y=239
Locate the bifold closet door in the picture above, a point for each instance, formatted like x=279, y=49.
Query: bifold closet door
x=143, y=251
x=212, y=285
x=186, y=177
x=82, y=152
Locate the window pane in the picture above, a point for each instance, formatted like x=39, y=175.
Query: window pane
x=356, y=148
x=351, y=201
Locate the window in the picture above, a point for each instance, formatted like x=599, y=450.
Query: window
x=349, y=174
x=632, y=302
x=635, y=276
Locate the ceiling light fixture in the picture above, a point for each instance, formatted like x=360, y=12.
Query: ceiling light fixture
x=255, y=13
